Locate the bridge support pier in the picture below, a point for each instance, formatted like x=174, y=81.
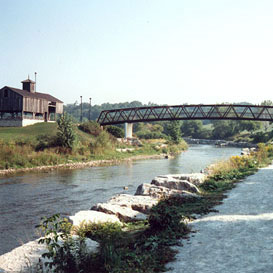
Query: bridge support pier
x=128, y=129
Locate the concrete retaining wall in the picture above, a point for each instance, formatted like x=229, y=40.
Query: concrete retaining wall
x=18, y=122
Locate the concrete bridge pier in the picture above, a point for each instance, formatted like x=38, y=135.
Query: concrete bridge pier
x=128, y=129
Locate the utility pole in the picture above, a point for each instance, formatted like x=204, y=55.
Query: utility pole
x=81, y=110
x=89, y=109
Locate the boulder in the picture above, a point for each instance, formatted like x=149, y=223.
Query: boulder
x=175, y=184
x=27, y=258
x=139, y=203
x=123, y=213
x=194, y=178
x=93, y=217
x=159, y=192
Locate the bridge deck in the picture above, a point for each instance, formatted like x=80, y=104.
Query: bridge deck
x=187, y=112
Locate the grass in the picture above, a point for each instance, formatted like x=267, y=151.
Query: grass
x=28, y=133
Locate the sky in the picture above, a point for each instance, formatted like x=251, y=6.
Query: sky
x=158, y=51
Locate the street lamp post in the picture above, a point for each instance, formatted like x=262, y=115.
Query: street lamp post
x=89, y=109
x=81, y=109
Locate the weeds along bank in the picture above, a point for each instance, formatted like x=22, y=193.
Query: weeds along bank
x=145, y=245
x=66, y=143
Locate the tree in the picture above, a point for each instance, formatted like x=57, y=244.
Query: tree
x=224, y=129
x=250, y=125
x=191, y=128
x=66, y=134
x=174, y=131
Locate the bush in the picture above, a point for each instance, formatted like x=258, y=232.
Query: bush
x=150, y=135
x=101, y=144
x=91, y=127
x=46, y=141
x=166, y=216
x=66, y=135
x=115, y=131
x=98, y=232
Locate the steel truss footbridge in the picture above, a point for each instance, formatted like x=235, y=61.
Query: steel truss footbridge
x=186, y=112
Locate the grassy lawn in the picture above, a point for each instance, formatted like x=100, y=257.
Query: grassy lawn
x=28, y=133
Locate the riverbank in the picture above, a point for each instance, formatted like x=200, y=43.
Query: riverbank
x=220, y=143
x=80, y=165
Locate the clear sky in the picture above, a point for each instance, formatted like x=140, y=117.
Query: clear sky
x=161, y=51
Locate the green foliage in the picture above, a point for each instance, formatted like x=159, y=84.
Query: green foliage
x=191, y=128
x=91, y=127
x=102, y=143
x=149, y=131
x=99, y=231
x=166, y=216
x=75, y=109
x=150, y=135
x=66, y=133
x=261, y=137
x=46, y=141
x=173, y=131
x=115, y=131
x=64, y=253
x=224, y=129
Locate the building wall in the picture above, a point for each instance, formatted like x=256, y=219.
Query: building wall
x=35, y=105
x=59, y=108
x=18, y=122
x=27, y=122
x=10, y=101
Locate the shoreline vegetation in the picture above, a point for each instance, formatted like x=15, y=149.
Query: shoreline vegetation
x=45, y=147
x=80, y=165
x=146, y=246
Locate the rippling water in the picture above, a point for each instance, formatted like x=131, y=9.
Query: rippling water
x=24, y=199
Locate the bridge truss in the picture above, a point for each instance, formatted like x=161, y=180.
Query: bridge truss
x=187, y=112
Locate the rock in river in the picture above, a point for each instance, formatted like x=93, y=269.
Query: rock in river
x=194, y=178
x=162, y=192
x=175, y=184
x=93, y=217
x=139, y=203
x=123, y=213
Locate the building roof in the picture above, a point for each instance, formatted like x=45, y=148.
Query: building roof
x=28, y=80
x=35, y=95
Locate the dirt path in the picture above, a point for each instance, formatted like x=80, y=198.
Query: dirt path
x=238, y=239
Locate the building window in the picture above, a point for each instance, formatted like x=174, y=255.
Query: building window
x=6, y=93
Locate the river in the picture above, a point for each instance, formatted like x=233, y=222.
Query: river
x=25, y=198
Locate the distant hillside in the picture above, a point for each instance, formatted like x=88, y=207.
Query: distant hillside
x=75, y=109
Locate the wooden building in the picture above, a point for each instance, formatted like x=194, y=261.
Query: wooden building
x=22, y=107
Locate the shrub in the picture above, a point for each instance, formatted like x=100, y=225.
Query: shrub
x=98, y=231
x=166, y=216
x=66, y=135
x=64, y=253
x=46, y=141
x=115, y=131
x=91, y=127
x=150, y=135
x=101, y=144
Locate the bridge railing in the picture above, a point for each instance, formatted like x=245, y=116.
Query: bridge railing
x=187, y=112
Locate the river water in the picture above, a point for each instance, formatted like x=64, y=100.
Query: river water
x=24, y=199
